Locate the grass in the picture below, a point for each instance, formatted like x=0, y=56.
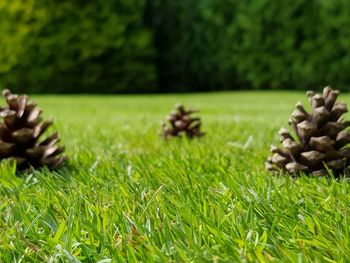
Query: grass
x=126, y=195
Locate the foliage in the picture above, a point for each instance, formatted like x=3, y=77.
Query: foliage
x=75, y=46
x=130, y=196
x=165, y=45
x=229, y=44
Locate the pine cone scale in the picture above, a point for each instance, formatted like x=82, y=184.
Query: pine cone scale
x=6, y=149
x=33, y=117
x=321, y=144
x=53, y=162
x=338, y=110
x=343, y=138
x=23, y=136
x=51, y=151
x=312, y=158
x=35, y=152
x=51, y=140
x=41, y=128
x=20, y=105
x=10, y=118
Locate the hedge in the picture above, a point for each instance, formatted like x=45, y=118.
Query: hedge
x=166, y=45
x=230, y=44
x=75, y=46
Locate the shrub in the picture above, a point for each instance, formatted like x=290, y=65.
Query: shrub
x=75, y=46
x=229, y=44
x=189, y=45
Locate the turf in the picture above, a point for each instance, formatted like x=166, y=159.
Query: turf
x=128, y=195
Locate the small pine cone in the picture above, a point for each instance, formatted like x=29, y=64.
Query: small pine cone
x=182, y=123
x=20, y=135
x=320, y=138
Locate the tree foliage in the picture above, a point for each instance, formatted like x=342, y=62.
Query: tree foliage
x=166, y=45
x=75, y=46
x=229, y=44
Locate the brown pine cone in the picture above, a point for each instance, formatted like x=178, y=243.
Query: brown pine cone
x=320, y=138
x=21, y=132
x=182, y=123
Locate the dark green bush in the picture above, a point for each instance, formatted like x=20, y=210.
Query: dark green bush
x=230, y=44
x=187, y=45
x=75, y=46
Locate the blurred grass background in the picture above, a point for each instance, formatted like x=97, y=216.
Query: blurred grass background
x=143, y=46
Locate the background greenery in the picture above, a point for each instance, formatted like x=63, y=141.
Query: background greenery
x=165, y=45
x=75, y=46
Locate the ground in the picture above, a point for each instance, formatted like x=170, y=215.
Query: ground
x=128, y=195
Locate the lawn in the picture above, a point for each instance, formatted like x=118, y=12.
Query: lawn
x=128, y=195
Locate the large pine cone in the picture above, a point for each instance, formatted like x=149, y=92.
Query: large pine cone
x=20, y=135
x=321, y=137
x=182, y=123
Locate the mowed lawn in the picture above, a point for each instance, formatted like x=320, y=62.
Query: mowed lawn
x=128, y=195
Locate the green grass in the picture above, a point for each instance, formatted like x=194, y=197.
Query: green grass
x=127, y=195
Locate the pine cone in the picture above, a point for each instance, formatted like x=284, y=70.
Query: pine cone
x=321, y=137
x=181, y=123
x=20, y=135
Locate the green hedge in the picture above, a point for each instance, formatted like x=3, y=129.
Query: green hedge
x=75, y=46
x=230, y=44
x=167, y=45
